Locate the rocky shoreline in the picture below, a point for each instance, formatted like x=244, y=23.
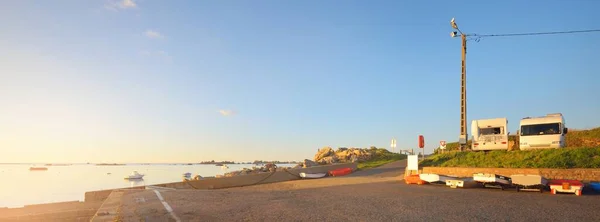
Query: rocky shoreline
x=324, y=156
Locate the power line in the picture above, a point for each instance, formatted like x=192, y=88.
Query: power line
x=537, y=33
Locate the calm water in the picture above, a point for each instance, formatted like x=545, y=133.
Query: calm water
x=19, y=186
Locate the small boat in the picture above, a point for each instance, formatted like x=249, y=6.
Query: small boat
x=187, y=174
x=529, y=182
x=312, y=175
x=566, y=186
x=461, y=182
x=224, y=167
x=340, y=172
x=135, y=176
x=595, y=186
x=433, y=178
x=413, y=179
x=38, y=168
x=492, y=179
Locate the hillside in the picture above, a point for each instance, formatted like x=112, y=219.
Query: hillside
x=575, y=139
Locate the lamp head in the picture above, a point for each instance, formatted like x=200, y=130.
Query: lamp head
x=453, y=24
x=453, y=34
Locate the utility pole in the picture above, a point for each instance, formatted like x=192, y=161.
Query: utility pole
x=462, y=140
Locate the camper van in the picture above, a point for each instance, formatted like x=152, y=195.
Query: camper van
x=542, y=132
x=489, y=134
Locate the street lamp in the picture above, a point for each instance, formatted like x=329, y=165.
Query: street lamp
x=462, y=140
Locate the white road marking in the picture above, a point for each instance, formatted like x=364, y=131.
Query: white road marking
x=167, y=207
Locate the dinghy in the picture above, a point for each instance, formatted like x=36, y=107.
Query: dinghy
x=529, y=182
x=595, y=186
x=340, y=172
x=312, y=175
x=566, y=186
x=461, y=182
x=434, y=178
x=492, y=179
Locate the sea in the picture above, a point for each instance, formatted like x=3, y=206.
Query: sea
x=19, y=186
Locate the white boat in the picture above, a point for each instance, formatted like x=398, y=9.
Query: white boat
x=529, y=182
x=187, y=174
x=224, y=167
x=312, y=175
x=432, y=177
x=461, y=182
x=135, y=176
x=492, y=179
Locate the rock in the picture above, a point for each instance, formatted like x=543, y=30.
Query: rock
x=309, y=163
x=323, y=152
x=341, y=149
x=328, y=160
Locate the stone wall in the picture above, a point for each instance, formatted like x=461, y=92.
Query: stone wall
x=572, y=174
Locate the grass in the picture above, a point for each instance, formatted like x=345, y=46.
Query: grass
x=381, y=157
x=548, y=158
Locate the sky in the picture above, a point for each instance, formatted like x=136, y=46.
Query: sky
x=188, y=81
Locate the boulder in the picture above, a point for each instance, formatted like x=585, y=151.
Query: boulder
x=328, y=160
x=309, y=163
x=323, y=152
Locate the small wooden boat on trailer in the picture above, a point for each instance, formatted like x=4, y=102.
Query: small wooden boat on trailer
x=492, y=180
x=435, y=178
x=529, y=182
x=566, y=186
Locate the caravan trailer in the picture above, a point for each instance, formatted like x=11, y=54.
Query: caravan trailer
x=544, y=132
x=489, y=134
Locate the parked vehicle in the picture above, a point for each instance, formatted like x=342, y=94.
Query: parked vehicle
x=489, y=134
x=544, y=132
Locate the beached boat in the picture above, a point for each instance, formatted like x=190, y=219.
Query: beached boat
x=595, y=186
x=433, y=178
x=529, y=182
x=135, y=176
x=340, y=172
x=38, y=168
x=492, y=179
x=461, y=182
x=566, y=186
x=312, y=175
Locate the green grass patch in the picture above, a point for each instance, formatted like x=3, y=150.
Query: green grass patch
x=547, y=158
x=381, y=157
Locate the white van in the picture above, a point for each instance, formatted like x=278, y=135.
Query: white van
x=542, y=132
x=489, y=134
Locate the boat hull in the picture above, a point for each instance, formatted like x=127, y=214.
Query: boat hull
x=312, y=175
x=566, y=186
x=432, y=177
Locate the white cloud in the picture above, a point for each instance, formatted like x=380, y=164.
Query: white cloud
x=153, y=34
x=225, y=112
x=120, y=4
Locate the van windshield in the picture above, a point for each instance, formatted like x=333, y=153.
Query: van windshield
x=491, y=131
x=540, y=129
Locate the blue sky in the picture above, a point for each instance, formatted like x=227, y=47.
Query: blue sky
x=145, y=81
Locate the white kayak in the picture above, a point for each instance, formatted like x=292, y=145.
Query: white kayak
x=312, y=175
x=432, y=177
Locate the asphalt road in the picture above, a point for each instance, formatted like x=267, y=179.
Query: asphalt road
x=376, y=195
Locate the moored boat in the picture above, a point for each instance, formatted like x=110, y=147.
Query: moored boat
x=135, y=176
x=38, y=168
